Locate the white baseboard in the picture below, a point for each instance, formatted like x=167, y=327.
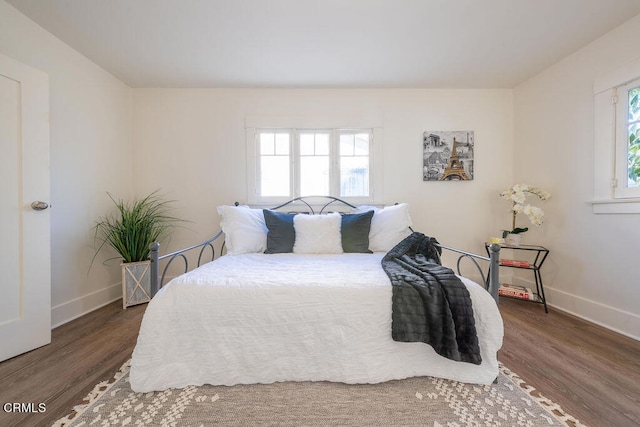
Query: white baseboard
x=617, y=320
x=70, y=310
x=612, y=318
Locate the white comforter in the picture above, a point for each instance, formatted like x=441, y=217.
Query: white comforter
x=259, y=318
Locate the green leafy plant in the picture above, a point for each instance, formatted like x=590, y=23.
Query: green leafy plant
x=135, y=226
x=634, y=137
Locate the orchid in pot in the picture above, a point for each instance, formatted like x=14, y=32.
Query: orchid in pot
x=517, y=196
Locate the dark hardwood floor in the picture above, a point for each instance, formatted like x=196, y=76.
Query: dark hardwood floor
x=593, y=373
x=82, y=353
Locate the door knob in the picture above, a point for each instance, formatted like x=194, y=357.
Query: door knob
x=39, y=206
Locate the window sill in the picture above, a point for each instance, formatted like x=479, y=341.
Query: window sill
x=616, y=206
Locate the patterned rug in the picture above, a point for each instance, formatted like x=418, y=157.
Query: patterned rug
x=422, y=401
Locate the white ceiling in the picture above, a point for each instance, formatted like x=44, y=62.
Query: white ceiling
x=327, y=43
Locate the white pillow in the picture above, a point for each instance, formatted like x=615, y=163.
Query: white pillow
x=318, y=234
x=244, y=229
x=389, y=226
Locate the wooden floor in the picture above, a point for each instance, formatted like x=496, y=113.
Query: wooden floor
x=81, y=354
x=593, y=373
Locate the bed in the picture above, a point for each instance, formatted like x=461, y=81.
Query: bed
x=308, y=314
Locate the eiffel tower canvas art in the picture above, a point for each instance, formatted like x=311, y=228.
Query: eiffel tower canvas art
x=447, y=155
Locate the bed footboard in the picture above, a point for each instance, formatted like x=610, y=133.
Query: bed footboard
x=491, y=279
x=157, y=280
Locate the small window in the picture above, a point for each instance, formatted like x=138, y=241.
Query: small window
x=354, y=164
x=616, y=139
x=628, y=140
x=302, y=162
x=315, y=163
x=274, y=168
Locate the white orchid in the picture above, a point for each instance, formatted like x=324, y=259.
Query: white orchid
x=534, y=213
x=517, y=196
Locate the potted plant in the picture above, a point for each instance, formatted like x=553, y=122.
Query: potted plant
x=517, y=196
x=130, y=231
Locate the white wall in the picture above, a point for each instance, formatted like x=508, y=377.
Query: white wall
x=593, y=268
x=90, y=154
x=190, y=143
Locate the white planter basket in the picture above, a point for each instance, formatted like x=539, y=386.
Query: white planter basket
x=513, y=239
x=136, y=283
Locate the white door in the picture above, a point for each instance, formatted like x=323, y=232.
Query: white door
x=25, y=259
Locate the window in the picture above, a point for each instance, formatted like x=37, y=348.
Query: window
x=313, y=162
x=354, y=164
x=627, y=182
x=616, y=143
x=274, y=163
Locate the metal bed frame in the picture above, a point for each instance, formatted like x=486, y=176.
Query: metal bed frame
x=491, y=283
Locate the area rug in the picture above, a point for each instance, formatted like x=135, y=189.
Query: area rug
x=422, y=401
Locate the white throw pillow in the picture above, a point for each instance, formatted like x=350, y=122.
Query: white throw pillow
x=389, y=226
x=244, y=229
x=317, y=234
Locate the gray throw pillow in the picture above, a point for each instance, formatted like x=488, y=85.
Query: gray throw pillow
x=281, y=235
x=355, y=232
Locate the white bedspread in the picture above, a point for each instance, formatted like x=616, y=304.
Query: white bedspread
x=259, y=318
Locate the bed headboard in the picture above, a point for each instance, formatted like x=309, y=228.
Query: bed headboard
x=314, y=205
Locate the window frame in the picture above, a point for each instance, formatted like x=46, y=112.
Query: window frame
x=254, y=158
x=296, y=187
x=338, y=159
x=608, y=160
x=258, y=165
x=621, y=97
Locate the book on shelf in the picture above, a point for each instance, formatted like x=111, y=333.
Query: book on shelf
x=516, y=292
x=515, y=263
